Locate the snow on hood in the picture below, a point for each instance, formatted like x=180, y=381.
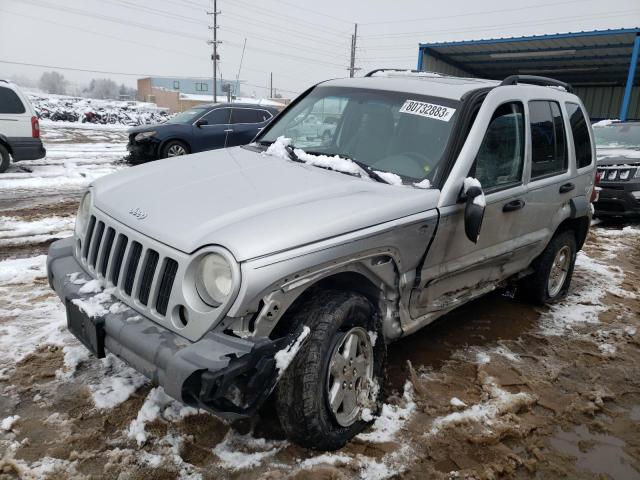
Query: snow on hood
x=605, y=153
x=250, y=203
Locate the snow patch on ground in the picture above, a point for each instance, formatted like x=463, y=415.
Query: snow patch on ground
x=499, y=402
x=241, y=452
x=583, y=305
x=116, y=384
x=391, y=419
x=326, y=459
x=7, y=423
x=23, y=270
x=14, y=231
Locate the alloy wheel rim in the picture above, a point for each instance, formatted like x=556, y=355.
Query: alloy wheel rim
x=559, y=271
x=350, y=375
x=176, y=150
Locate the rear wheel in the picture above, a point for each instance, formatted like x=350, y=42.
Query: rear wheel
x=337, y=373
x=174, y=148
x=553, y=270
x=5, y=159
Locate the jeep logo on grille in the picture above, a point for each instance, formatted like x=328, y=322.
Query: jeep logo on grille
x=139, y=214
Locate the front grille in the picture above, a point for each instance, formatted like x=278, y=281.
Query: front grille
x=620, y=173
x=147, y=276
x=166, y=284
x=132, y=267
x=128, y=264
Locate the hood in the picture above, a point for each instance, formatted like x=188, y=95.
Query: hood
x=617, y=156
x=250, y=203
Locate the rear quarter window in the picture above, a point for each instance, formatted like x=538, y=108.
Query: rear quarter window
x=580, y=133
x=548, y=140
x=10, y=102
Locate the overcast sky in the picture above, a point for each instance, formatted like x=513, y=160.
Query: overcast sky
x=301, y=42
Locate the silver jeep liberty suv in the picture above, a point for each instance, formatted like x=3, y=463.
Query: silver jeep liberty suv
x=285, y=267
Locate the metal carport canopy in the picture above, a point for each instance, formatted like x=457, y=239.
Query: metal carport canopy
x=599, y=57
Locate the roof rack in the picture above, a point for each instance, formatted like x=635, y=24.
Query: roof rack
x=372, y=72
x=536, y=80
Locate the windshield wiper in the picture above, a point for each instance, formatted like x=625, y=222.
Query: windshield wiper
x=370, y=171
x=292, y=154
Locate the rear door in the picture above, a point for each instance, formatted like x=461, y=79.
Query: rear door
x=551, y=182
x=455, y=269
x=245, y=124
x=15, y=116
x=214, y=134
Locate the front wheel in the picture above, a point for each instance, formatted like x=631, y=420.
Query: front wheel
x=174, y=148
x=334, y=384
x=553, y=270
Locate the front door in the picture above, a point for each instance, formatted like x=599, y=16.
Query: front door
x=214, y=133
x=455, y=269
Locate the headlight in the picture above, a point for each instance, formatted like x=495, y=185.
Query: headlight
x=214, y=279
x=83, y=214
x=143, y=136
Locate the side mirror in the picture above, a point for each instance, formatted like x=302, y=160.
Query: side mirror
x=201, y=122
x=473, y=211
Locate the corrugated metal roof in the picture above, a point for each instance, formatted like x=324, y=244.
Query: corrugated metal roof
x=595, y=56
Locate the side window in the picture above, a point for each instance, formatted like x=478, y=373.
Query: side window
x=500, y=159
x=548, y=142
x=263, y=115
x=580, y=132
x=244, y=115
x=219, y=116
x=10, y=102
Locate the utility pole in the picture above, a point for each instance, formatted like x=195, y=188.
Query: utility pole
x=214, y=56
x=271, y=86
x=352, y=63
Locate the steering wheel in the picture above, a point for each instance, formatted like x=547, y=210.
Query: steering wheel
x=413, y=168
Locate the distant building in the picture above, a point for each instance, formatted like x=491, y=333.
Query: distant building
x=179, y=94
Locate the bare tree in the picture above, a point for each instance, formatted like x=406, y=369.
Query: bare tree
x=102, y=88
x=53, y=82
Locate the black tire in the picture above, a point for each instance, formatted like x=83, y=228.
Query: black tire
x=166, y=148
x=5, y=159
x=301, y=395
x=535, y=287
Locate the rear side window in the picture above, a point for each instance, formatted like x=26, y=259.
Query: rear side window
x=500, y=159
x=219, y=116
x=244, y=115
x=10, y=102
x=548, y=140
x=263, y=115
x=580, y=132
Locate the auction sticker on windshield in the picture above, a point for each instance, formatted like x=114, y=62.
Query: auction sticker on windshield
x=429, y=110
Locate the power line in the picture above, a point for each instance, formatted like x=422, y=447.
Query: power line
x=501, y=26
x=316, y=12
x=182, y=53
x=472, y=14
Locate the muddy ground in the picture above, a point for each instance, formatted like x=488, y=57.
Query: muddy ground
x=497, y=389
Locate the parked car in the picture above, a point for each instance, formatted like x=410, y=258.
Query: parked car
x=205, y=127
x=19, y=127
x=270, y=268
x=618, y=150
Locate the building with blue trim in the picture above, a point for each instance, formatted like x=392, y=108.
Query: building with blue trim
x=602, y=65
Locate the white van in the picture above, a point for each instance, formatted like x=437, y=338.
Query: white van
x=19, y=127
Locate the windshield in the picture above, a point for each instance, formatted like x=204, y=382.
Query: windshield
x=401, y=133
x=618, y=135
x=188, y=116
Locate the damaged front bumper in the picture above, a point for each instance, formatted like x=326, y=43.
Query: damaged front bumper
x=223, y=374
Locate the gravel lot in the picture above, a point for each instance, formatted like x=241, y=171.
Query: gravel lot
x=497, y=389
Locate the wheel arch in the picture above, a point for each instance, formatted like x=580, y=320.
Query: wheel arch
x=579, y=226
x=4, y=141
x=376, y=278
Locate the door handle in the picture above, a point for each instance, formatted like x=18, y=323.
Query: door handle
x=228, y=130
x=513, y=205
x=567, y=187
